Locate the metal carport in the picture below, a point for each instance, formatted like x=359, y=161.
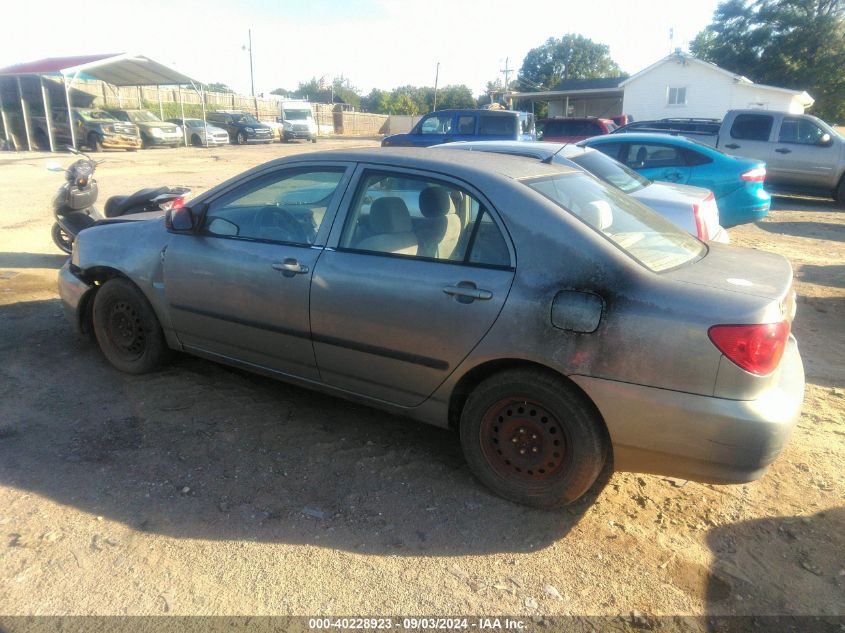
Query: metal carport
x=124, y=69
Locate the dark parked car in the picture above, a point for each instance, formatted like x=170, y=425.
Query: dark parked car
x=243, y=128
x=547, y=317
x=572, y=130
x=447, y=126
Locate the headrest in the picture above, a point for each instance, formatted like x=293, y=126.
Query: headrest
x=435, y=202
x=390, y=215
x=598, y=214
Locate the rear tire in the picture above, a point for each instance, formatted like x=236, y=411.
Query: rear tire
x=61, y=238
x=314, y=140
x=127, y=329
x=533, y=438
x=840, y=192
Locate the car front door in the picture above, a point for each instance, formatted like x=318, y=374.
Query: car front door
x=419, y=272
x=800, y=157
x=238, y=287
x=434, y=129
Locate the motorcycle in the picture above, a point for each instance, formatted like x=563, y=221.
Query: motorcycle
x=74, y=208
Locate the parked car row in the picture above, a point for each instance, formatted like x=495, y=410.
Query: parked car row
x=132, y=129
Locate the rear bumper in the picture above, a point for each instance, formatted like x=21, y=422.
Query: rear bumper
x=743, y=206
x=73, y=293
x=709, y=439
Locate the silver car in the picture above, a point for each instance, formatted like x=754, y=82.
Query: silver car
x=199, y=134
x=551, y=320
x=692, y=208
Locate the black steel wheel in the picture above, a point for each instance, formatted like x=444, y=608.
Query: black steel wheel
x=61, y=238
x=533, y=438
x=127, y=329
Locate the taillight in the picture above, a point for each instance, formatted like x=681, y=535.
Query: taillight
x=755, y=348
x=758, y=174
x=700, y=224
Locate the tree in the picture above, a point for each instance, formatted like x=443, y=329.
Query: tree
x=796, y=44
x=282, y=92
x=572, y=56
x=457, y=97
x=218, y=87
x=377, y=101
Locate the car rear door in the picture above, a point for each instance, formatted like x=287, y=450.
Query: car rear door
x=238, y=287
x=388, y=320
x=799, y=158
x=658, y=161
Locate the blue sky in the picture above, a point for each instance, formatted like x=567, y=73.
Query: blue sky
x=374, y=43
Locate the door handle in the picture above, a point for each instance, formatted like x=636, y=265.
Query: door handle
x=290, y=267
x=673, y=176
x=783, y=150
x=732, y=146
x=467, y=292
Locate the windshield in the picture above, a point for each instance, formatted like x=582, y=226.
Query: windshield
x=96, y=115
x=634, y=228
x=244, y=118
x=141, y=116
x=296, y=115
x=611, y=171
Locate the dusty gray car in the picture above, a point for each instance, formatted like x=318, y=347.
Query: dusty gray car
x=551, y=320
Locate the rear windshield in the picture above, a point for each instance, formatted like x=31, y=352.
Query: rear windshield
x=634, y=228
x=612, y=172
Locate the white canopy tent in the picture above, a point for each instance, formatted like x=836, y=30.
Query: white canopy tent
x=118, y=70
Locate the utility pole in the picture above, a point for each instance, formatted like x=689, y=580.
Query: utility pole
x=507, y=72
x=251, y=75
x=436, y=78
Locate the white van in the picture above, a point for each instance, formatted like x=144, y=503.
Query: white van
x=297, y=121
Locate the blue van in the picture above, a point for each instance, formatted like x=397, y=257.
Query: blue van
x=446, y=126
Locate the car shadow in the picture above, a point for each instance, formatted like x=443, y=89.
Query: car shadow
x=817, y=230
x=198, y=450
x=832, y=276
x=32, y=260
x=796, y=203
x=773, y=568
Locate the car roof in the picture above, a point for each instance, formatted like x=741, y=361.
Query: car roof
x=540, y=149
x=476, y=111
x=639, y=136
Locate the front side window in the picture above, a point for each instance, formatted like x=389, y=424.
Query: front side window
x=752, y=127
x=437, y=124
x=415, y=216
x=634, y=228
x=676, y=95
x=800, y=131
x=284, y=207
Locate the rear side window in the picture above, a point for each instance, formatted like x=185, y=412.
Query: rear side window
x=646, y=236
x=752, y=127
x=650, y=156
x=497, y=125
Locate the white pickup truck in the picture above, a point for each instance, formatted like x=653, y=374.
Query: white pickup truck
x=803, y=154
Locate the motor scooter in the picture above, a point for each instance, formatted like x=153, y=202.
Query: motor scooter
x=73, y=206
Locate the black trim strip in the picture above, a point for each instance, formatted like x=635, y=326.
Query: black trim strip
x=414, y=359
x=256, y=324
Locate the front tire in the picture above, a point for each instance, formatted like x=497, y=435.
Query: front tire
x=241, y=138
x=840, y=192
x=196, y=141
x=533, y=438
x=62, y=239
x=95, y=143
x=127, y=329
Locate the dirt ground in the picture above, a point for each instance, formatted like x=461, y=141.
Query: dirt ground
x=205, y=490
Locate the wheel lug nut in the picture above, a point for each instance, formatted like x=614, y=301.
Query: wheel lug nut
x=522, y=431
x=514, y=440
x=522, y=451
x=534, y=450
x=533, y=436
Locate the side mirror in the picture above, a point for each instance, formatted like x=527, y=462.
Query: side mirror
x=181, y=220
x=54, y=166
x=825, y=140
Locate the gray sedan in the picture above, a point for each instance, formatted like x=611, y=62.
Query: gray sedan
x=692, y=208
x=550, y=319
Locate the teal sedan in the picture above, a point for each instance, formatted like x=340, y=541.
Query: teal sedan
x=736, y=182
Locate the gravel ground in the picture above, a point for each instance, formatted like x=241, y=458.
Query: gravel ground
x=203, y=490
